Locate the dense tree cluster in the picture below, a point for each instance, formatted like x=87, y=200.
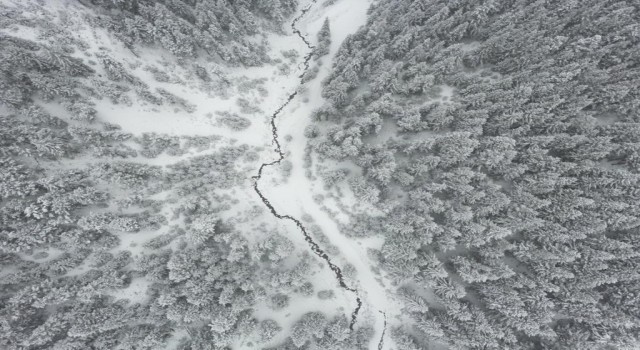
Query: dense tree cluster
x=517, y=154
x=102, y=244
x=233, y=121
x=314, y=331
x=185, y=27
x=62, y=260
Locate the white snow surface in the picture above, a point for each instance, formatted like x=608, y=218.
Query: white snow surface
x=296, y=196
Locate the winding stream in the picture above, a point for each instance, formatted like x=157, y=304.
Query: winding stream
x=274, y=130
x=384, y=330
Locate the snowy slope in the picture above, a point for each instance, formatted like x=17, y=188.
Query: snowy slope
x=296, y=196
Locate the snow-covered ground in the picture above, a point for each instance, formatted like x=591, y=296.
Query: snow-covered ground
x=296, y=196
x=345, y=16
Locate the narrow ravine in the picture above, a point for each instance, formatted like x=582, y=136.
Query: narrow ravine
x=274, y=130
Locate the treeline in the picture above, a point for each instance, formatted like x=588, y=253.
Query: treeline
x=191, y=27
x=519, y=228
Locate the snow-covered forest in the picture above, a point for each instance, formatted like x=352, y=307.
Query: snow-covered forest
x=319, y=174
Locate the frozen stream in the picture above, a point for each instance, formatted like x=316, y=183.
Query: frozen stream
x=314, y=246
x=291, y=200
